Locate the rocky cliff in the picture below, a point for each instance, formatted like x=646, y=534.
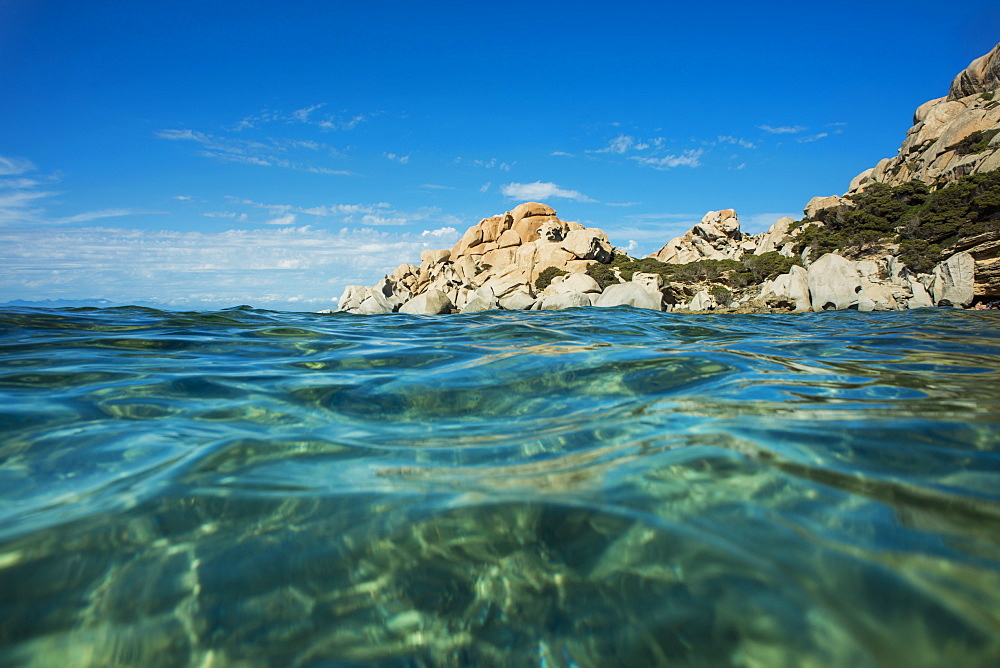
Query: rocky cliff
x=952, y=136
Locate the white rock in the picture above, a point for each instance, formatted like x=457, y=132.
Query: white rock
x=834, y=283
x=588, y=244
x=518, y=300
x=431, y=302
x=565, y=300
x=703, y=301
x=877, y=297
x=792, y=287
x=631, y=294
x=651, y=283
x=954, y=279
x=920, y=298
x=371, y=306
x=577, y=282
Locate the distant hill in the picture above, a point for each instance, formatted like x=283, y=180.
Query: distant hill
x=75, y=303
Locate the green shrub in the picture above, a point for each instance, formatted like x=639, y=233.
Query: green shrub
x=545, y=277
x=722, y=295
x=975, y=142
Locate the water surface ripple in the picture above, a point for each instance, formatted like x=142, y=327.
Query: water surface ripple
x=575, y=488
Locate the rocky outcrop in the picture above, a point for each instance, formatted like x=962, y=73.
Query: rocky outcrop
x=716, y=237
x=952, y=136
x=789, y=290
x=494, y=265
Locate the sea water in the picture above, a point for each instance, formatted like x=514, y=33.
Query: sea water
x=589, y=487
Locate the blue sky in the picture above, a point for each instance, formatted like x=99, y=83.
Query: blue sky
x=209, y=154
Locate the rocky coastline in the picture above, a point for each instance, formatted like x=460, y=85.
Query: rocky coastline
x=529, y=258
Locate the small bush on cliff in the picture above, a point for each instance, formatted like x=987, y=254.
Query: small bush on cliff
x=722, y=295
x=975, y=142
x=749, y=270
x=545, y=277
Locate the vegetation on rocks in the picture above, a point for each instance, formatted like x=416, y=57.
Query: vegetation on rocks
x=545, y=277
x=749, y=270
x=921, y=220
x=975, y=142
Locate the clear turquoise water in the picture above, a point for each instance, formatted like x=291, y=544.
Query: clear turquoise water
x=586, y=487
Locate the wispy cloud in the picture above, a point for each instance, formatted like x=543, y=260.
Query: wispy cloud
x=540, y=191
x=22, y=198
x=436, y=186
x=562, y=153
x=103, y=213
x=689, y=158
x=737, y=141
x=619, y=144
x=401, y=159
x=306, y=115
x=269, y=152
x=14, y=166
x=811, y=138
x=782, y=129
x=492, y=163
x=486, y=186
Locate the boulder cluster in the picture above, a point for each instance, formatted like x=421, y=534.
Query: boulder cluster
x=494, y=265
x=718, y=237
x=835, y=282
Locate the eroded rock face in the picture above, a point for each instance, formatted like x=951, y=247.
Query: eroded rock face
x=834, y=283
x=788, y=290
x=954, y=279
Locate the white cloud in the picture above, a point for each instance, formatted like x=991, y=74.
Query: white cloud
x=690, y=158
x=441, y=233
x=563, y=153
x=541, y=191
x=782, y=129
x=183, y=198
x=14, y=166
x=436, y=186
x=401, y=159
x=486, y=186
x=287, y=219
